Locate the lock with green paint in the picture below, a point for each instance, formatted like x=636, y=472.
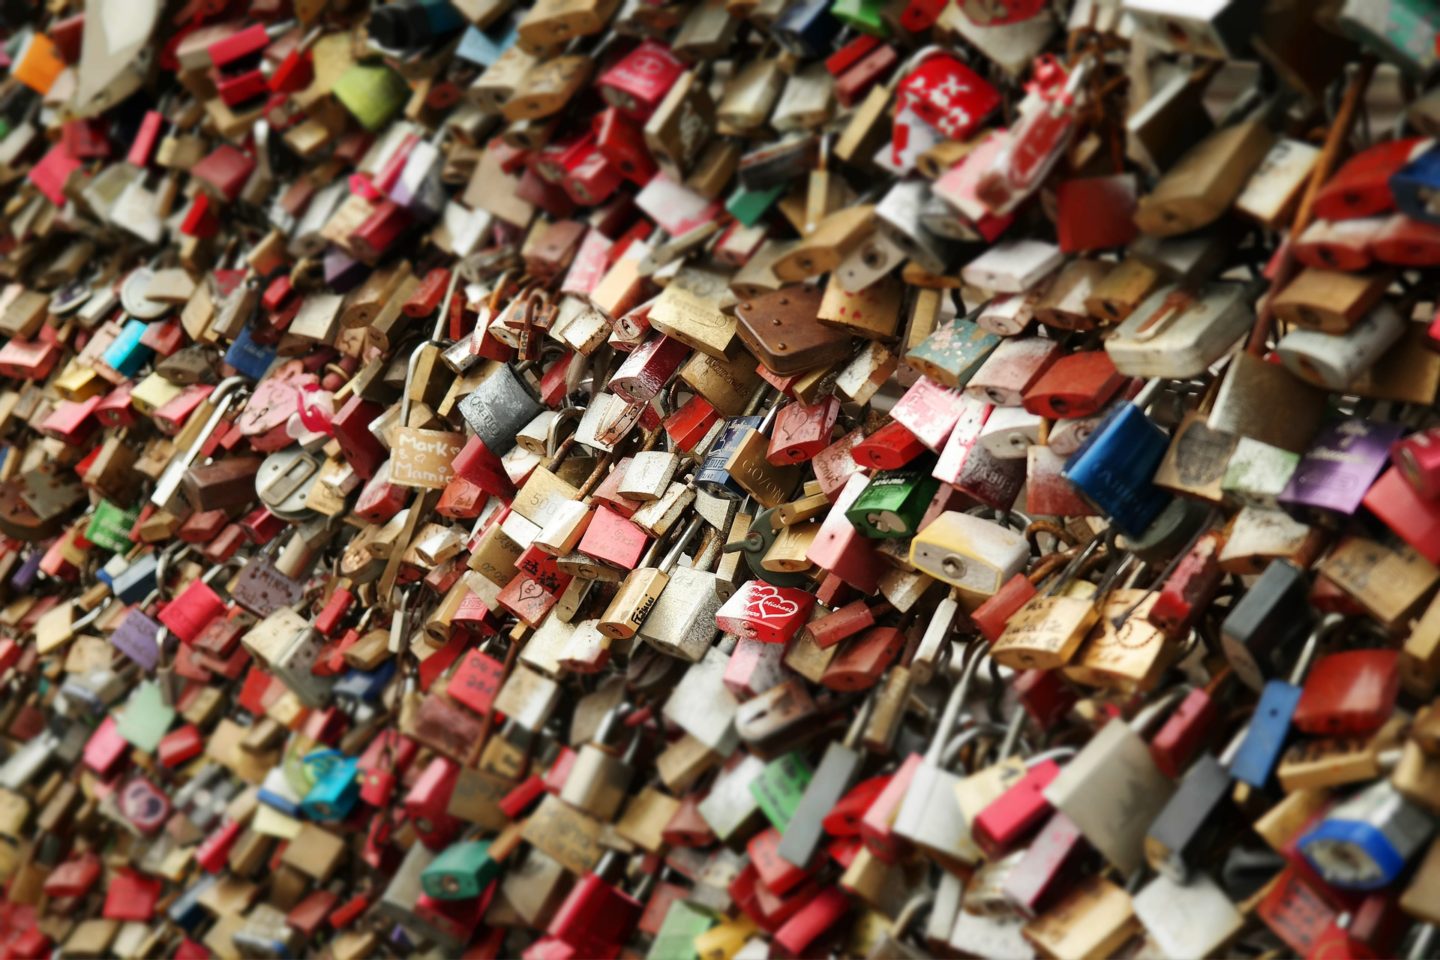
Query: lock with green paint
x=461, y=871
x=867, y=16
x=780, y=787
x=892, y=505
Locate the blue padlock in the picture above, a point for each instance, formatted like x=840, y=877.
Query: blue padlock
x=484, y=48
x=185, y=911
x=249, y=358
x=126, y=355
x=1269, y=732
x=135, y=582
x=712, y=476
x=1365, y=842
x=1113, y=468
x=277, y=791
x=365, y=686
x=805, y=28
x=1416, y=187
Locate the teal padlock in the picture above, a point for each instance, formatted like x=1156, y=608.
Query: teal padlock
x=126, y=354
x=336, y=787
x=461, y=871
x=866, y=16
x=892, y=505
x=748, y=206
x=110, y=526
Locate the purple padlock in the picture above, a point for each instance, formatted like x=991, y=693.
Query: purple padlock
x=137, y=637
x=1341, y=464
x=24, y=577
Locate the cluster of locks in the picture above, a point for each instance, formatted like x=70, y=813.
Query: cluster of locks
x=710, y=479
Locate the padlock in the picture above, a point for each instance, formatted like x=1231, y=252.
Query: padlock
x=1364, y=842
x=1255, y=758
x=764, y=612
x=1113, y=465
x=973, y=554
x=1205, y=181
x=893, y=504
x=1344, y=459
x=926, y=815
x=1115, y=762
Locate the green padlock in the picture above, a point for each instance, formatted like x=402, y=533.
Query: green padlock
x=779, y=788
x=893, y=504
x=675, y=940
x=462, y=871
x=748, y=206
x=373, y=93
x=110, y=527
x=867, y=16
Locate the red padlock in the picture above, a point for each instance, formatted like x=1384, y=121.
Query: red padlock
x=889, y=448
x=797, y=936
x=621, y=142
x=596, y=917
x=1418, y=458
x=224, y=171
x=1348, y=693
x=879, y=817
x=1409, y=516
x=863, y=659
x=192, y=611
x=1190, y=587
x=1009, y=820
x=777, y=873
x=1183, y=734
x=1074, y=386
x=1403, y=242
x=428, y=801
x=1045, y=696
x=948, y=95
x=802, y=430
x=842, y=622
x=179, y=745
x=641, y=79
x=613, y=539
x=334, y=611
x=991, y=616
x=646, y=369
x=1361, y=188
x=764, y=612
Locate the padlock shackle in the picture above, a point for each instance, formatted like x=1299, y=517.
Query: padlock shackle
x=410, y=366
x=967, y=736
x=862, y=717
x=1148, y=393
x=222, y=397
x=672, y=556
x=1154, y=710
x=437, y=333
x=1012, y=733
x=1328, y=624
x=952, y=708
x=1069, y=571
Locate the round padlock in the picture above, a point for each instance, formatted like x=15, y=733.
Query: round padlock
x=134, y=300
x=284, y=480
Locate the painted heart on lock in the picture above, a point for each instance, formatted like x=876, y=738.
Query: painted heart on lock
x=764, y=602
